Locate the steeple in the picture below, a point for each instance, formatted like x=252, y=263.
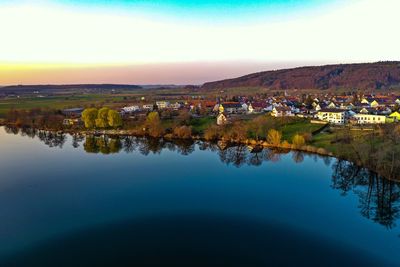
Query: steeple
x=221, y=119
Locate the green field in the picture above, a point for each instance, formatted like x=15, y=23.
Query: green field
x=327, y=140
x=324, y=140
x=290, y=129
x=57, y=102
x=199, y=125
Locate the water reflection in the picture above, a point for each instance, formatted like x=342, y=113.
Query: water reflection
x=379, y=199
x=51, y=139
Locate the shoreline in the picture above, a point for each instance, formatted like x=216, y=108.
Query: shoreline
x=248, y=142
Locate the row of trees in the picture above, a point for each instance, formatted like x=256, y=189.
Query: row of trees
x=35, y=118
x=53, y=119
x=101, y=118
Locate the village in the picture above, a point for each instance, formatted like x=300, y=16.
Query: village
x=351, y=109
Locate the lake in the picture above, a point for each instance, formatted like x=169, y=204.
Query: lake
x=101, y=201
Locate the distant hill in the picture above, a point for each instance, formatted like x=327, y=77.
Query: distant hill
x=380, y=75
x=67, y=87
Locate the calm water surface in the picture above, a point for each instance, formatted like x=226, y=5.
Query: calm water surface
x=67, y=201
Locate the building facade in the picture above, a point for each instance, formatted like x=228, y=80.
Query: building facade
x=334, y=116
x=370, y=119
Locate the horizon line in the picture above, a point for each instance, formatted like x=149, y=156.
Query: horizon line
x=296, y=66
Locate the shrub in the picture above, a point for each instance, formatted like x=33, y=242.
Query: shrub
x=274, y=137
x=298, y=141
x=184, y=132
x=237, y=132
x=212, y=133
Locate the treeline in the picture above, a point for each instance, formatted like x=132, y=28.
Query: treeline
x=35, y=118
x=52, y=119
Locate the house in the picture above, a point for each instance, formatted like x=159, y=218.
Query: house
x=369, y=119
x=335, y=116
x=374, y=104
x=314, y=104
x=259, y=106
x=281, y=112
x=72, y=112
x=130, y=109
x=331, y=105
x=148, y=107
x=364, y=101
x=162, y=104
x=232, y=107
x=176, y=105
x=395, y=116
x=268, y=108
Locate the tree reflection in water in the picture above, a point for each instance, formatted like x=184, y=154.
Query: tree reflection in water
x=51, y=139
x=102, y=144
x=77, y=139
x=378, y=197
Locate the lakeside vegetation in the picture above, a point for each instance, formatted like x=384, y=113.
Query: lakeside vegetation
x=376, y=147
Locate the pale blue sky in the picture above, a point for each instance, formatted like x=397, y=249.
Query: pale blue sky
x=224, y=11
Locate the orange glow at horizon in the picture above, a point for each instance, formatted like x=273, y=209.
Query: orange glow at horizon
x=162, y=73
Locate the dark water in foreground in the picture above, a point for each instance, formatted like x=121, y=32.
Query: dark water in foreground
x=131, y=202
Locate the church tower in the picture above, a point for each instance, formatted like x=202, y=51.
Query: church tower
x=221, y=119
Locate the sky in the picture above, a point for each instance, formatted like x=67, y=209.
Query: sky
x=186, y=42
